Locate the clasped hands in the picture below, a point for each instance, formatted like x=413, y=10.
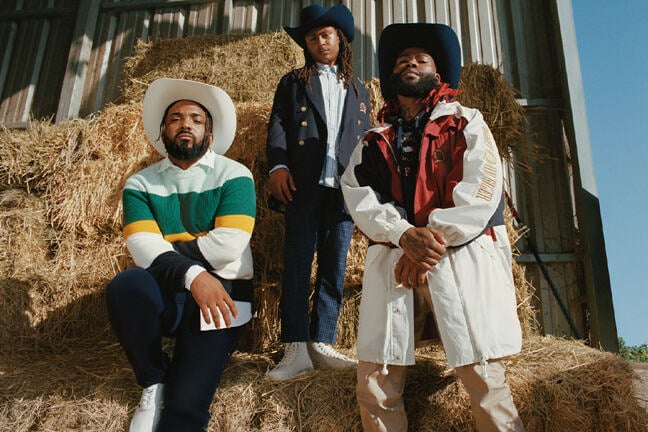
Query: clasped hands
x=423, y=247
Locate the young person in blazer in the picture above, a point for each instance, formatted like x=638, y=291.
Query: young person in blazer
x=320, y=112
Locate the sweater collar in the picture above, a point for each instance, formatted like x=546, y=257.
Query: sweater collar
x=207, y=160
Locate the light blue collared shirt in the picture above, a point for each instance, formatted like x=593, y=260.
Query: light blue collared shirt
x=334, y=93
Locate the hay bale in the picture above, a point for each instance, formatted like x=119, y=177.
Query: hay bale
x=485, y=88
x=63, y=217
x=23, y=230
x=111, y=147
x=78, y=384
x=375, y=99
x=557, y=385
x=247, y=67
x=565, y=385
x=34, y=280
x=29, y=157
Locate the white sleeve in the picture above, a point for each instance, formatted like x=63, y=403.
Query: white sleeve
x=381, y=222
x=144, y=247
x=222, y=246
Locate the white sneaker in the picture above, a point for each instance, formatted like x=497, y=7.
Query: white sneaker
x=147, y=414
x=326, y=355
x=295, y=362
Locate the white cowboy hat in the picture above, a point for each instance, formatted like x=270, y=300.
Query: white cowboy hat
x=164, y=91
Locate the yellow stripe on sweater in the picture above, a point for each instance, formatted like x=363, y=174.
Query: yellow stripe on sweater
x=149, y=226
x=179, y=237
x=152, y=227
x=242, y=222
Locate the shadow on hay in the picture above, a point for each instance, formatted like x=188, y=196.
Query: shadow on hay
x=71, y=351
x=425, y=382
x=26, y=326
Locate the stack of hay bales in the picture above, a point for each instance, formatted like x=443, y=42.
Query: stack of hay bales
x=60, y=228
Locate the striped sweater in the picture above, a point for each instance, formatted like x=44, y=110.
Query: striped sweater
x=176, y=220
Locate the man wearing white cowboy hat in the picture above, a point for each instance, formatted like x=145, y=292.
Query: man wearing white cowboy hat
x=426, y=188
x=319, y=113
x=187, y=222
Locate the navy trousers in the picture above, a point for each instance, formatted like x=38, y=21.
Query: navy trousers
x=319, y=225
x=140, y=315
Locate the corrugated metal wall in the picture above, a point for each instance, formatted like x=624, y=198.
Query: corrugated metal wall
x=544, y=196
x=35, y=38
x=519, y=36
x=41, y=42
x=121, y=23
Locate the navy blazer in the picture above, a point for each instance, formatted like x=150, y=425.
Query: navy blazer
x=297, y=130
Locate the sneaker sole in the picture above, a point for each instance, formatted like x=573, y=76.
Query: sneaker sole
x=298, y=374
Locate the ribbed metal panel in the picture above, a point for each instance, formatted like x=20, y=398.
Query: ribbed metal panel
x=43, y=40
x=34, y=36
x=121, y=24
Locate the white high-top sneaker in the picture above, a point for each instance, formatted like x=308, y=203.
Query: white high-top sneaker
x=325, y=354
x=147, y=414
x=295, y=362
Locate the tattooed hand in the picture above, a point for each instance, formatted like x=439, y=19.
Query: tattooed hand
x=423, y=245
x=409, y=273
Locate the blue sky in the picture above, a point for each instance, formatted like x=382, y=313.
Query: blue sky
x=612, y=42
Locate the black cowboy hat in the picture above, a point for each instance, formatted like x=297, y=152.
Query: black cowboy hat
x=437, y=39
x=314, y=16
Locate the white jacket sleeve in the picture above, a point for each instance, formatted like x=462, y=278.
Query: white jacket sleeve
x=381, y=221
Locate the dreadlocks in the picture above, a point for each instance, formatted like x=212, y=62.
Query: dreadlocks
x=344, y=62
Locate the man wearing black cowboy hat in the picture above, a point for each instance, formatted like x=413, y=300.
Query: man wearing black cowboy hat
x=188, y=220
x=320, y=111
x=426, y=188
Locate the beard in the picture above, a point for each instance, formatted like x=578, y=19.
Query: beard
x=422, y=88
x=179, y=148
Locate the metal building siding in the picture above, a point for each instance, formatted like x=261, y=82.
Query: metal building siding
x=544, y=200
x=35, y=35
x=120, y=23
x=95, y=85
x=529, y=39
x=545, y=196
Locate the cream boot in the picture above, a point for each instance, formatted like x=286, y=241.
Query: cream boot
x=295, y=362
x=325, y=354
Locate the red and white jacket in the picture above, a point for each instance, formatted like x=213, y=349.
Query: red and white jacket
x=458, y=190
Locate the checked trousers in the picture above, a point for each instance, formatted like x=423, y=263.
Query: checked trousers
x=321, y=226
